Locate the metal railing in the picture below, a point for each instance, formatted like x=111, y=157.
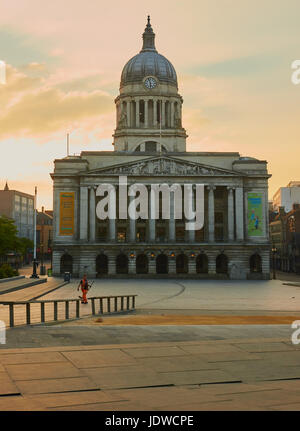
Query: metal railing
x=106, y=305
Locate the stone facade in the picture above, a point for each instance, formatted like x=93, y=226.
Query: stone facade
x=150, y=148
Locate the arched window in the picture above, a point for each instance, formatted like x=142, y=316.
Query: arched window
x=151, y=147
x=101, y=264
x=122, y=264
x=142, y=264
x=162, y=264
x=255, y=263
x=182, y=264
x=222, y=264
x=66, y=263
x=202, y=264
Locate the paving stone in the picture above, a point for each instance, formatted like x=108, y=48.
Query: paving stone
x=99, y=358
x=154, y=352
x=115, y=406
x=42, y=371
x=177, y=363
x=27, y=358
x=228, y=357
x=259, y=370
x=55, y=385
x=265, y=347
x=267, y=398
x=73, y=398
x=286, y=407
x=281, y=358
x=162, y=397
x=19, y=403
x=237, y=388
x=7, y=386
x=216, y=347
x=198, y=377
x=125, y=377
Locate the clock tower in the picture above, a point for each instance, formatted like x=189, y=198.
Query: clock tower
x=149, y=107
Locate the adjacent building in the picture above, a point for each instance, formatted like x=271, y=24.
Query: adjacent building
x=18, y=206
x=44, y=227
x=150, y=148
x=287, y=196
x=285, y=238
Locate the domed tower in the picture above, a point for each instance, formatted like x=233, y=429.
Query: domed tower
x=149, y=108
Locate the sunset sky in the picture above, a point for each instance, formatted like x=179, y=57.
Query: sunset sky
x=64, y=61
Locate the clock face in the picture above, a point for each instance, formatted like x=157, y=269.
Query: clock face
x=150, y=82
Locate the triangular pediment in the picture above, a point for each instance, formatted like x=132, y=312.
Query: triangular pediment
x=161, y=165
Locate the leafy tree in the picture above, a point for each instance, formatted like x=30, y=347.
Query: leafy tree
x=8, y=238
x=8, y=235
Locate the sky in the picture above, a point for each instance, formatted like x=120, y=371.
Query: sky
x=64, y=61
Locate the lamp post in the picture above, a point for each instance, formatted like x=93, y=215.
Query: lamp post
x=274, y=250
x=34, y=273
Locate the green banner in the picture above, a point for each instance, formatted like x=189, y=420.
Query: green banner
x=255, y=227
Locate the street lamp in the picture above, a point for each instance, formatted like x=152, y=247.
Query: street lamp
x=274, y=250
x=34, y=273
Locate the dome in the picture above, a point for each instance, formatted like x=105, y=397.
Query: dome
x=148, y=63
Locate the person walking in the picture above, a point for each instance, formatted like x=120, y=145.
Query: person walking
x=84, y=284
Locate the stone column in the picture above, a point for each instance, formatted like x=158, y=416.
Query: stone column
x=163, y=113
x=137, y=113
x=172, y=265
x=239, y=213
x=111, y=264
x=132, y=225
x=132, y=264
x=211, y=214
x=146, y=114
x=92, y=215
x=192, y=265
x=211, y=264
x=172, y=113
x=230, y=214
x=151, y=221
x=191, y=233
x=154, y=112
x=172, y=219
x=151, y=265
x=83, y=213
x=128, y=113
x=112, y=230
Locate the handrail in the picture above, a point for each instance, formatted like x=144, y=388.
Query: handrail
x=105, y=306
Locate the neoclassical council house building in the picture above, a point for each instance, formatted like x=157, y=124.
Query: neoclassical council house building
x=150, y=147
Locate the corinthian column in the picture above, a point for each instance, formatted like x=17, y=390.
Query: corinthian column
x=137, y=113
x=230, y=215
x=92, y=215
x=211, y=213
x=146, y=114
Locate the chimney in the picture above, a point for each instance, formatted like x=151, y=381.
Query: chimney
x=43, y=209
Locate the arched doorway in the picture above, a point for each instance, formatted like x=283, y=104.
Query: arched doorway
x=66, y=263
x=222, y=264
x=122, y=264
x=142, y=264
x=202, y=264
x=101, y=264
x=162, y=264
x=255, y=263
x=182, y=264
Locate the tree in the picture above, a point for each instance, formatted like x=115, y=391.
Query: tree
x=8, y=235
x=9, y=242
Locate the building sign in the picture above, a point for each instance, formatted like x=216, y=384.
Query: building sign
x=66, y=213
x=255, y=226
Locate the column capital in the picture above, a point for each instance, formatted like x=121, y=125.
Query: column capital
x=211, y=188
x=230, y=188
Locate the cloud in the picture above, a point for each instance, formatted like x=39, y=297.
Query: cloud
x=33, y=107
